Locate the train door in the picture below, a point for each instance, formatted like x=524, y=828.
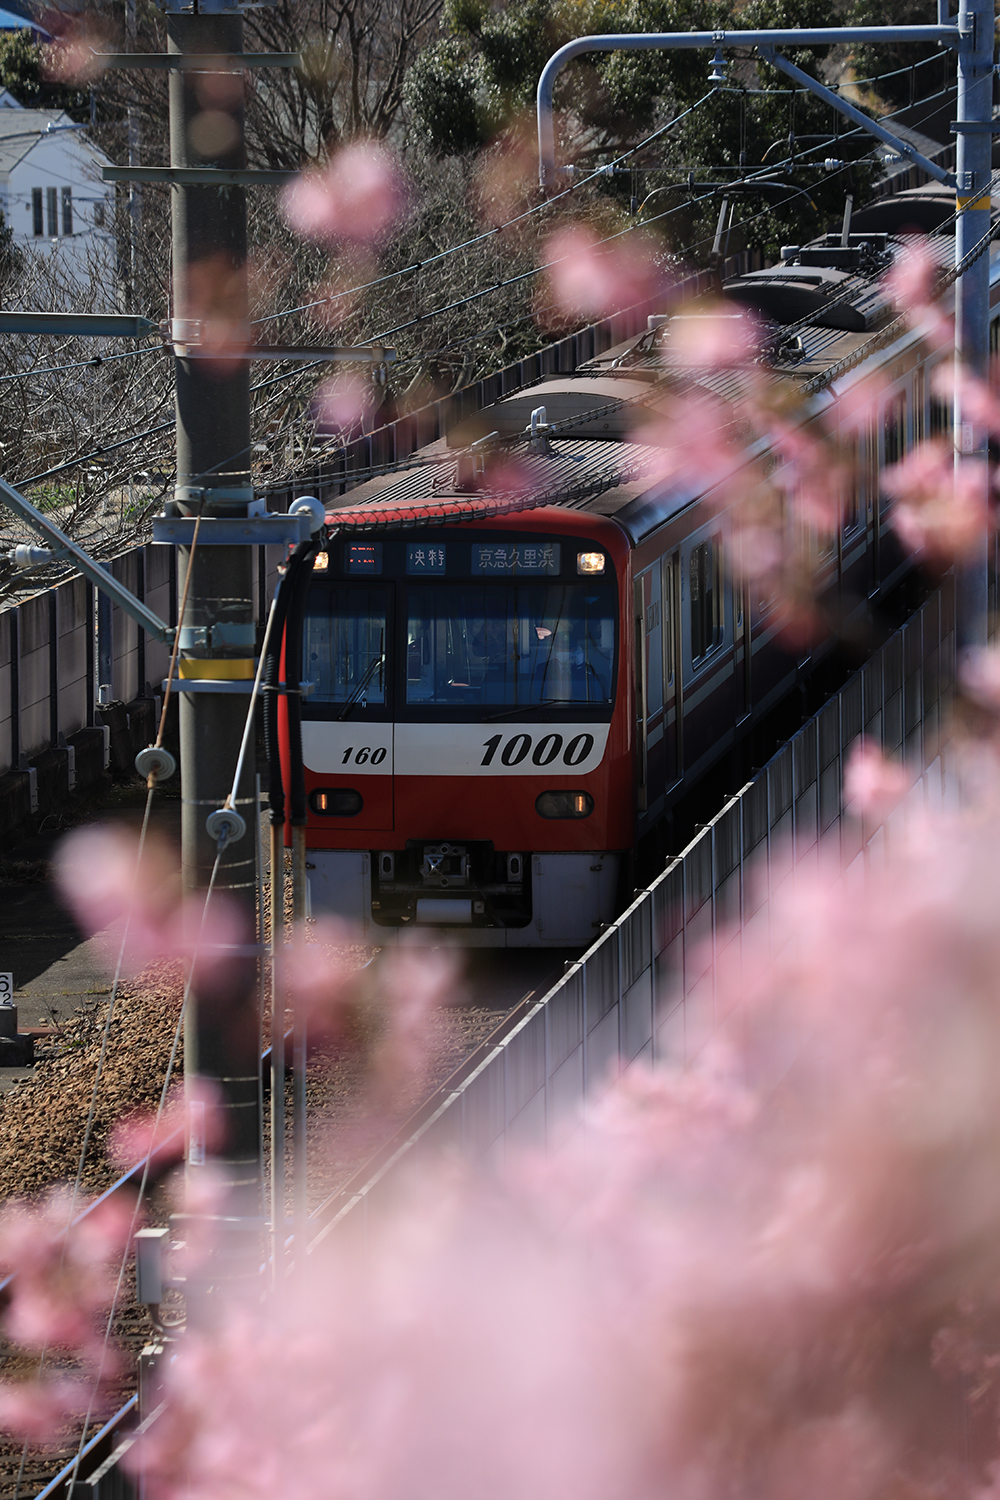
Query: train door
x=673, y=718
x=641, y=770
x=742, y=696
x=649, y=684
x=893, y=446
x=872, y=473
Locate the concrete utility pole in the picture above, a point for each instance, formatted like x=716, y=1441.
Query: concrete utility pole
x=218, y=635
x=971, y=35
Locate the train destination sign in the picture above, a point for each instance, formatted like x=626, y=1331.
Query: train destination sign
x=524, y=558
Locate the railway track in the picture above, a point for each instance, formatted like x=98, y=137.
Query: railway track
x=496, y=989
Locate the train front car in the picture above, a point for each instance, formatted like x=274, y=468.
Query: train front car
x=465, y=740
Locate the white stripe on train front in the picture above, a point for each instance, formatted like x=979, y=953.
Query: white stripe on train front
x=356, y=749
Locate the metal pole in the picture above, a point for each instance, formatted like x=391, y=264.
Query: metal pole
x=972, y=322
x=826, y=36
x=134, y=152
x=105, y=646
x=219, y=636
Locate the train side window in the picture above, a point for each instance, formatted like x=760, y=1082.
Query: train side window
x=940, y=414
x=894, y=428
x=707, y=600
x=918, y=406
x=668, y=623
x=851, y=449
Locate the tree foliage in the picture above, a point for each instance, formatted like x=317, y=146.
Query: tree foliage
x=487, y=67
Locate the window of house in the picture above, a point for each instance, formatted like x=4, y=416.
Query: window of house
x=67, y=210
x=99, y=214
x=51, y=212
x=37, y=224
x=706, y=598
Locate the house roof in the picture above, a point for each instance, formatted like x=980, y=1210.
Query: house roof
x=20, y=129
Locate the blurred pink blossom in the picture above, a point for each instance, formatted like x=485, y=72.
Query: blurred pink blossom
x=940, y=512
x=341, y=405
x=78, y=39
x=164, y=1135
x=911, y=285
x=356, y=198
x=103, y=883
x=979, y=675
x=34, y=1411
x=319, y=977
x=719, y=339
x=696, y=441
x=586, y=279
x=61, y=1276
x=979, y=403
x=872, y=784
x=414, y=985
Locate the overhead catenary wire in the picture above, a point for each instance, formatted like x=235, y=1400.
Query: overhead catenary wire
x=604, y=170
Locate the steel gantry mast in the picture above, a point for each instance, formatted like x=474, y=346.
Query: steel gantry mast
x=970, y=34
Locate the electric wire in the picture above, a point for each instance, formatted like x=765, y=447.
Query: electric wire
x=606, y=169
x=81, y=364
x=421, y=265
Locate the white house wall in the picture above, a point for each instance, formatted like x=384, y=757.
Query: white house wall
x=62, y=161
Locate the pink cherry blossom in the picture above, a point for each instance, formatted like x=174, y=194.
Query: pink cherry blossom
x=720, y=339
x=940, y=512
x=163, y=1136
x=320, y=977
x=872, y=784
x=413, y=984
x=34, y=1411
x=588, y=280
x=60, y=1268
x=342, y=405
x=106, y=885
x=911, y=284
x=355, y=199
x=979, y=675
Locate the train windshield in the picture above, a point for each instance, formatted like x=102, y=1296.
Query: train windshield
x=345, y=643
x=516, y=644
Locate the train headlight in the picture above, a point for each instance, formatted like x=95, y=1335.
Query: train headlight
x=335, y=801
x=321, y=562
x=590, y=562
x=564, y=804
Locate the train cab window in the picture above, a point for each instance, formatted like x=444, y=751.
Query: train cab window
x=515, y=644
x=894, y=428
x=707, y=601
x=344, y=644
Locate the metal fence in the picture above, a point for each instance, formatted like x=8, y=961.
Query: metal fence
x=645, y=989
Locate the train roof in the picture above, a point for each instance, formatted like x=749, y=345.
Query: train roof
x=824, y=310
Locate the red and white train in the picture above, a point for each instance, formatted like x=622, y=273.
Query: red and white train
x=505, y=701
